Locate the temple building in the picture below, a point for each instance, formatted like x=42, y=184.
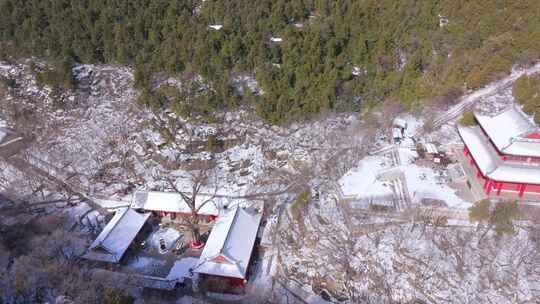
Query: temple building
x=504, y=151
x=115, y=239
x=226, y=258
x=172, y=206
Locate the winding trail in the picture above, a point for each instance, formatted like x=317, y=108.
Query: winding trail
x=491, y=89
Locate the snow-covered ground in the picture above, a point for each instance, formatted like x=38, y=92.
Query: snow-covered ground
x=169, y=236
x=371, y=177
x=183, y=269
x=404, y=261
x=426, y=183
x=422, y=182
x=242, y=82
x=362, y=181
x=147, y=265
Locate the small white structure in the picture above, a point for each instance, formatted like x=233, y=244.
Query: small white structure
x=114, y=240
x=398, y=130
x=443, y=21
x=276, y=39
x=400, y=123
x=356, y=71
x=229, y=247
x=216, y=27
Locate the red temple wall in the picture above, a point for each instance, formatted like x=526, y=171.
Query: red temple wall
x=515, y=187
x=506, y=186
x=511, y=186
x=533, y=188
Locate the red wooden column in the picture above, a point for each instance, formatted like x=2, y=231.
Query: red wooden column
x=489, y=186
x=486, y=183
x=478, y=174
x=522, y=190
x=499, y=188
x=466, y=151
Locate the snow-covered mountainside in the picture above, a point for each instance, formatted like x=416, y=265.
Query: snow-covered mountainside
x=380, y=223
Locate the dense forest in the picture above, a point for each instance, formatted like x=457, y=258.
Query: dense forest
x=331, y=55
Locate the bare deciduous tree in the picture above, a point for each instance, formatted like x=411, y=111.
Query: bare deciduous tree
x=195, y=199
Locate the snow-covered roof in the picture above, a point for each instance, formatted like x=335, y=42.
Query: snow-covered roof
x=489, y=162
x=114, y=240
x=524, y=147
x=173, y=202
x=509, y=129
x=480, y=148
x=228, y=248
x=516, y=174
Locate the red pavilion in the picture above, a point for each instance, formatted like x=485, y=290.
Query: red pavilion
x=504, y=149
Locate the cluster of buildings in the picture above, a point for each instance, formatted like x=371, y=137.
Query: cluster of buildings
x=226, y=255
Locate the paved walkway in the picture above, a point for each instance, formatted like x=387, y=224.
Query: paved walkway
x=468, y=100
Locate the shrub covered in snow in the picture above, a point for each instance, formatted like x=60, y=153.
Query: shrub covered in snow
x=467, y=119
